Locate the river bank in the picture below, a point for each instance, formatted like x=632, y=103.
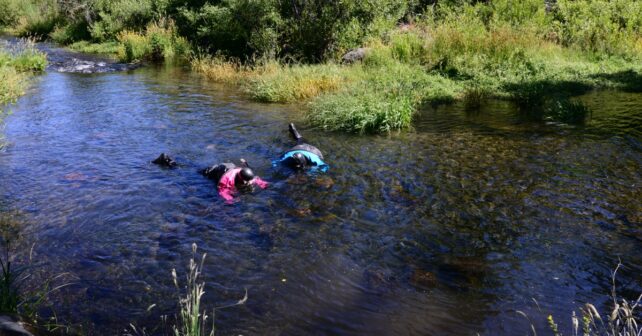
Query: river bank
x=536, y=55
x=17, y=63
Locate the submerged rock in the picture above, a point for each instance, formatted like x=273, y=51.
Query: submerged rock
x=423, y=279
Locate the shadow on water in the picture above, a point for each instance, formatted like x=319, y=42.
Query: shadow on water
x=445, y=229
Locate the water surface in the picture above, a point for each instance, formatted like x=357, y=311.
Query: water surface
x=443, y=230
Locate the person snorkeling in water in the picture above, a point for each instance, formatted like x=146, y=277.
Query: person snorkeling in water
x=231, y=179
x=302, y=156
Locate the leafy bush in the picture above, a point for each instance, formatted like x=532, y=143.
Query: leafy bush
x=316, y=30
x=116, y=16
x=11, y=11
x=133, y=46
x=611, y=27
x=239, y=28
x=67, y=34
x=407, y=47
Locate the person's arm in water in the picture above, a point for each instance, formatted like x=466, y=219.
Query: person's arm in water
x=259, y=182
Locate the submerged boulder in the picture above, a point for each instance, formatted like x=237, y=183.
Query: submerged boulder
x=423, y=279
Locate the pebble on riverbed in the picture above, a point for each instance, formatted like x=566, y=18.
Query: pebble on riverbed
x=423, y=279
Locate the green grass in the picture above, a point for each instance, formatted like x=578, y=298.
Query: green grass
x=15, y=67
x=103, y=48
x=290, y=83
x=384, y=100
x=19, y=295
x=622, y=320
x=159, y=42
x=12, y=85
x=192, y=320
x=24, y=58
x=444, y=58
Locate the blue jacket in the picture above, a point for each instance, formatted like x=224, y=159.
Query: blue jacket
x=312, y=158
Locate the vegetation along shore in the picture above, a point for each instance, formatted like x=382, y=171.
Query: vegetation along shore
x=538, y=54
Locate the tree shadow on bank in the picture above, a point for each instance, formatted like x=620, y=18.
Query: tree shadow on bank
x=628, y=81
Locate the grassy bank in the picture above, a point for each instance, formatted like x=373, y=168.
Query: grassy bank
x=469, y=53
x=16, y=65
x=536, y=54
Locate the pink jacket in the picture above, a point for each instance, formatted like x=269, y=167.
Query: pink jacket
x=226, y=187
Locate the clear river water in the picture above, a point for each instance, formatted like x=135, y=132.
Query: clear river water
x=446, y=229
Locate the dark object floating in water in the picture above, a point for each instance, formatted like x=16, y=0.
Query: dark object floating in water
x=165, y=161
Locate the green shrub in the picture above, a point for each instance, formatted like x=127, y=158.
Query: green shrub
x=133, y=46
x=159, y=43
x=11, y=12
x=407, y=47
x=38, y=28
x=611, y=27
x=114, y=17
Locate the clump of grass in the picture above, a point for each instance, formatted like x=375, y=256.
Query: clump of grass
x=15, y=64
x=191, y=319
x=623, y=320
x=17, y=294
x=474, y=96
x=159, y=42
x=274, y=82
x=297, y=82
x=218, y=69
x=12, y=84
x=24, y=57
x=384, y=98
x=104, y=48
x=381, y=102
x=408, y=46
